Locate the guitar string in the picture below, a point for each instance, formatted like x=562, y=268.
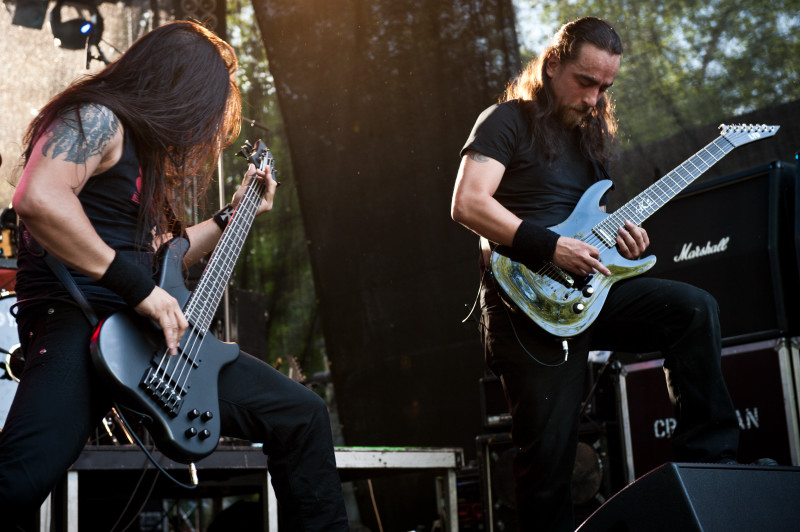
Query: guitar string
x=163, y=373
x=625, y=213
x=203, y=313
x=200, y=308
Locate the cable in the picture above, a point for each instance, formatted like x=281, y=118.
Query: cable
x=130, y=500
x=152, y=458
x=374, y=505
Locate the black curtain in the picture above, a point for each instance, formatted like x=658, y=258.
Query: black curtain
x=377, y=99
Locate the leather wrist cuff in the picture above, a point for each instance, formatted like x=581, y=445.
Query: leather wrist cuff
x=534, y=243
x=127, y=280
x=223, y=216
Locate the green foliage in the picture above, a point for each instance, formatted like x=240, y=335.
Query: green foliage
x=689, y=63
x=275, y=260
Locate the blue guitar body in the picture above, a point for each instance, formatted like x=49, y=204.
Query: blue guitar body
x=561, y=304
x=566, y=306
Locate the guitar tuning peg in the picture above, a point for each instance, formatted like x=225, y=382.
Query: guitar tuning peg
x=246, y=150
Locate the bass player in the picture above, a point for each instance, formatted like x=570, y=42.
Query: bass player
x=106, y=163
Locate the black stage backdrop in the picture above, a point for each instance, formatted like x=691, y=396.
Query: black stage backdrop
x=377, y=98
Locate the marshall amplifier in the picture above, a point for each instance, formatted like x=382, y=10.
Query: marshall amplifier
x=733, y=238
x=760, y=381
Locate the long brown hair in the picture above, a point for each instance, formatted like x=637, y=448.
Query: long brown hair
x=175, y=93
x=533, y=89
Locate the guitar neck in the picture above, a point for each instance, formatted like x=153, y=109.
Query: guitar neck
x=659, y=193
x=207, y=295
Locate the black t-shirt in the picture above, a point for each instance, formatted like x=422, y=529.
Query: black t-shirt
x=534, y=189
x=111, y=202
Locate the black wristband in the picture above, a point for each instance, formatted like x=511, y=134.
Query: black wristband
x=533, y=243
x=127, y=280
x=223, y=216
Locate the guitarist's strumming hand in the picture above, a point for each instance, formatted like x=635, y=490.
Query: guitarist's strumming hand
x=164, y=309
x=632, y=240
x=578, y=257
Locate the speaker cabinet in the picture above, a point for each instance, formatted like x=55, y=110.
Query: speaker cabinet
x=759, y=379
x=733, y=238
x=707, y=498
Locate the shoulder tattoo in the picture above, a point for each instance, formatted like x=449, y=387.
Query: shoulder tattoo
x=477, y=157
x=65, y=138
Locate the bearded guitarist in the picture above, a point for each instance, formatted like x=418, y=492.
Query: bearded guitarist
x=106, y=161
x=524, y=167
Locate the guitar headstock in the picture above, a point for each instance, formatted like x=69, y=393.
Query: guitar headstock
x=259, y=155
x=738, y=134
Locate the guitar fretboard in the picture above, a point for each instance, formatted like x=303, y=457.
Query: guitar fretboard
x=659, y=193
x=207, y=295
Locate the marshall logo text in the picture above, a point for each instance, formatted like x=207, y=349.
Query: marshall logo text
x=690, y=253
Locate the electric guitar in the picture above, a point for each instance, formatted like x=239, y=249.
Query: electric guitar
x=175, y=396
x=564, y=305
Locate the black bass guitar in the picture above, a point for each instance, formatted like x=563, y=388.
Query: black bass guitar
x=564, y=305
x=176, y=396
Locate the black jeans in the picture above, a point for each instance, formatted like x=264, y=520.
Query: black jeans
x=640, y=315
x=59, y=403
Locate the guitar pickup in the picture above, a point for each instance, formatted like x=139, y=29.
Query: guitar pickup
x=609, y=239
x=166, y=392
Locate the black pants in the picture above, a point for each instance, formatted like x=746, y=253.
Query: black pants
x=640, y=315
x=59, y=403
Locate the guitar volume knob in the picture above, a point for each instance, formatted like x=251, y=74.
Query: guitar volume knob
x=193, y=413
x=205, y=433
x=207, y=416
x=190, y=432
x=588, y=291
x=578, y=308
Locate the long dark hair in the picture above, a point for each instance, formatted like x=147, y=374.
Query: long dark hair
x=175, y=93
x=533, y=89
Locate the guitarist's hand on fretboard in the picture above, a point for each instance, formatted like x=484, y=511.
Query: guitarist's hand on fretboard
x=265, y=177
x=632, y=241
x=578, y=257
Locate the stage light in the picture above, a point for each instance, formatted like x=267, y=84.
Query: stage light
x=80, y=32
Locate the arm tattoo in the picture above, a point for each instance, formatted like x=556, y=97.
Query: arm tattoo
x=77, y=141
x=477, y=157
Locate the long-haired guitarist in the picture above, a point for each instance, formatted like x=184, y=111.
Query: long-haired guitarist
x=107, y=164
x=524, y=167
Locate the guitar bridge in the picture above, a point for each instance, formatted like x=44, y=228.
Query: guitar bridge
x=167, y=394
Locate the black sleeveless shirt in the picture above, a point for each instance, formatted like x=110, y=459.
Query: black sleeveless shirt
x=111, y=201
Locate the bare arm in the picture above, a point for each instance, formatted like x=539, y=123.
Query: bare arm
x=205, y=235
x=474, y=205
x=46, y=199
x=475, y=208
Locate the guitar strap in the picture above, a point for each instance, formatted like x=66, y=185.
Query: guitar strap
x=66, y=279
x=59, y=270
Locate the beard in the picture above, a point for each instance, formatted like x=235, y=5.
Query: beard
x=571, y=116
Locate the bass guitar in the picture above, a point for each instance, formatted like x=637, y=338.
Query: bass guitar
x=564, y=305
x=175, y=396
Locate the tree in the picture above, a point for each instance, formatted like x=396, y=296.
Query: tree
x=691, y=62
